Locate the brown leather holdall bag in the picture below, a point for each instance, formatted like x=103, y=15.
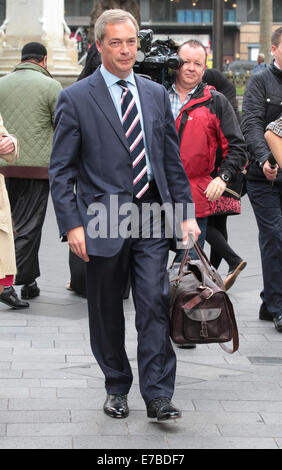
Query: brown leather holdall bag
x=200, y=309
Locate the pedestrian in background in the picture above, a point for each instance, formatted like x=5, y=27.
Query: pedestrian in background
x=216, y=234
x=28, y=98
x=205, y=120
x=261, y=65
x=262, y=104
x=8, y=152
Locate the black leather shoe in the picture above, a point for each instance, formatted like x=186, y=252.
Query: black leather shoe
x=30, y=291
x=277, y=320
x=10, y=298
x=264, y=313
x=162, y=409
x=116, y=406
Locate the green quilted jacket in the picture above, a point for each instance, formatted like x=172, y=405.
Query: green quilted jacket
x=28, y=98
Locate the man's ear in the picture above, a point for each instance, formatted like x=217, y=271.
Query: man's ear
x=44, y=62
x=204, y=70
x=98, y=45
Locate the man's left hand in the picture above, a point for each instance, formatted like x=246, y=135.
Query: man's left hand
x=190, y=228
x=215, y=189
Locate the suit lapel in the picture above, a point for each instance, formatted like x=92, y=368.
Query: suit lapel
x=100, y=93
x=146, y=101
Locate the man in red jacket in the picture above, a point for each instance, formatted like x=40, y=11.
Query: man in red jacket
x=205, y=120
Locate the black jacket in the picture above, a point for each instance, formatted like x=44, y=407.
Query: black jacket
x=217, y=79
x=262, y=104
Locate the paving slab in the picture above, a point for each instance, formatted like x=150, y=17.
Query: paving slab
x=52, y=390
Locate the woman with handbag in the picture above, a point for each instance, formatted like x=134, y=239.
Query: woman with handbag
x=216, y=235
x=230, y=202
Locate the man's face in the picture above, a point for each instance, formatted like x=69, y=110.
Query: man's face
x=191, y=73
x=119, y=48
x=277, y=54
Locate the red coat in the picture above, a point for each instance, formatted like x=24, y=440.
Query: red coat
x=211, y=123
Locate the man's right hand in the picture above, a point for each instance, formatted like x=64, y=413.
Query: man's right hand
x=76, y=241
x=6, y=145
x=269, y=173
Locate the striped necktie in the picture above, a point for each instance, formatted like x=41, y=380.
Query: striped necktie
x=133, y=132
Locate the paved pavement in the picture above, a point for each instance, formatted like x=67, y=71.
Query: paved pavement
x=52, y=391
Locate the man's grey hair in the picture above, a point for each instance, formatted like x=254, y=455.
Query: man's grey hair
x=112, y=16
x=260, y=54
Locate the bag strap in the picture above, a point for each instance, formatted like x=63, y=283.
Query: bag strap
x=235, y=338
x=183, y=121
x=202, y=255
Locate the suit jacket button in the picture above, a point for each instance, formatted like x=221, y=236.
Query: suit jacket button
x=129, y=164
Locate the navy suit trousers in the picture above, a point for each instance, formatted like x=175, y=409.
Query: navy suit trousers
x=146, y=260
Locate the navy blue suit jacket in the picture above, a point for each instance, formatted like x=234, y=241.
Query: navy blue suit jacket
x=91, y=150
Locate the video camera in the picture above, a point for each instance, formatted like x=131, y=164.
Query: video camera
x=157, y=60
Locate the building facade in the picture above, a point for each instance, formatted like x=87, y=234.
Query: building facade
x=182, y=19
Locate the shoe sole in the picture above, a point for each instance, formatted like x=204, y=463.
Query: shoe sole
x=279, y=329
x=229, y=282
x=112, y=415
x=261, y=317
x=11, y=306
x=165, y=418
x=28, y=297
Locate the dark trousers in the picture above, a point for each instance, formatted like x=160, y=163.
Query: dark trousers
x=146, y=260
x=266, y=200
x=28, y=200
x=217, y=237
x=78, y=276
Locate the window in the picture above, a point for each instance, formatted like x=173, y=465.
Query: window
x=253, y=10
x=180, y=11
x=78, y=7
x=183, y=11
x=253, y=50
x=86, y=7
x=2, y=11
x=277, y=11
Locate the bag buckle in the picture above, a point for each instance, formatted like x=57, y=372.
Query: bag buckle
x=209, y=290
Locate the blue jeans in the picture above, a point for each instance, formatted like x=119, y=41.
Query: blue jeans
x=202, y=223
x=266, y=200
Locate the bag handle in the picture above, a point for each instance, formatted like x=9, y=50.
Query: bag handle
x=200, y=252
x=190, y=243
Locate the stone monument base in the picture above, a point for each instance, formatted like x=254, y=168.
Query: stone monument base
x=40, y=21
x=61, y=60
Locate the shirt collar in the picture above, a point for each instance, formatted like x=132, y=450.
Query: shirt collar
x=173, y=89
x=275, y=63
x=111, y=79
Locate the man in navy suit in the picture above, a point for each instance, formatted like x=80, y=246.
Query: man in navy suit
x=93, y=152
